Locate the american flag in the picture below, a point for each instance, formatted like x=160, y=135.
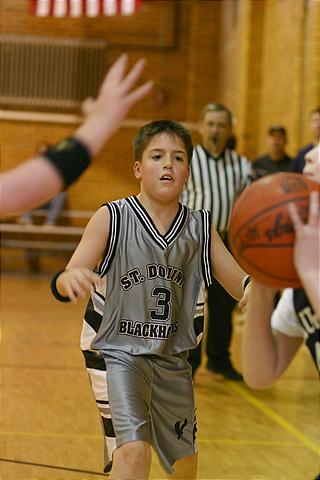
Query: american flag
x=88, y=8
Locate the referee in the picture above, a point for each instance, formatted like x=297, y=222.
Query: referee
x=217, y=176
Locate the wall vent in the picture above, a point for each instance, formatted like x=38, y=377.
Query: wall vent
x=48, y=73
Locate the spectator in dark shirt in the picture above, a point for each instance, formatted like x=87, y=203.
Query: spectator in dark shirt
x=298, y=163
x=276, y=159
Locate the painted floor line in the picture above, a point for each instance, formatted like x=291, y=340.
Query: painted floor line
x=54, y=467
x=48, y=434
x=282, y=422
x=248, y=442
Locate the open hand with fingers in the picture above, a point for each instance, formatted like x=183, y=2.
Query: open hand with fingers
x=77, y=283
x=114, y=100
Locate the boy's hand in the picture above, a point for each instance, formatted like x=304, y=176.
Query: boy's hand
x=77, y=282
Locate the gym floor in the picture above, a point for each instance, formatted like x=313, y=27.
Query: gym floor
x=50, y=426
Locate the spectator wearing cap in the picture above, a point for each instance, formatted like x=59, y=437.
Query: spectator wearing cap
x=276, y=159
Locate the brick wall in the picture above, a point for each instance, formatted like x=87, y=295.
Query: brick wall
x=261, y=58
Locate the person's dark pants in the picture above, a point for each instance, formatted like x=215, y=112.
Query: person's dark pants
x=219, y=334
x=194, y=357
x=219, y=329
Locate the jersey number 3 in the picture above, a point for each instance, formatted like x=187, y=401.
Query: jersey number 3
x=163, y=304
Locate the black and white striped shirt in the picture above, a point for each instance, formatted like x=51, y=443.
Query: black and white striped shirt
x=215, y=183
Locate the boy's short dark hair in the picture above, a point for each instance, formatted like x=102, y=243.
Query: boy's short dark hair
x=150, y=130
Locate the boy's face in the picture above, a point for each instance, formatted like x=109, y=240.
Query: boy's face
x=312, y=164
x=163, y=169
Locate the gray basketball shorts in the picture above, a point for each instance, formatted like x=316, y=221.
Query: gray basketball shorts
x=152, y=399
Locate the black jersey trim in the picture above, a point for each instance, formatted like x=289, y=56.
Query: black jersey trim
x=108, y=427
x=146, y=221
x=94, y=360
x=176, y=226
x=103, y=298
x=198, y=323
x=206, y=265
x=92, y=317
x=114, y=233
x=202, y=171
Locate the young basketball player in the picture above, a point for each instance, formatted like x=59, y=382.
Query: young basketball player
x=156, y=254
x=37, y=180
x=272, y=338
x=96, y=367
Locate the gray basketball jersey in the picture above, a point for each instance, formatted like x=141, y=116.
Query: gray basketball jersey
x=153, y=280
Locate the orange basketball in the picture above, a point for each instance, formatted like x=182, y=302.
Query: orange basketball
x=261, y=233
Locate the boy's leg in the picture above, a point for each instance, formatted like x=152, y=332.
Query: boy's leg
x=128, y=379
x=96, y=369
x=132, y=461
x=173, y=416
x=185, y=468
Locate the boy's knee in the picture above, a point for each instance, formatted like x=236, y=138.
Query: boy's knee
x=135, y=454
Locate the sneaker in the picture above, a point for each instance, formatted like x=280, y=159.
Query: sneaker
x=108, y=467
x=229, y=373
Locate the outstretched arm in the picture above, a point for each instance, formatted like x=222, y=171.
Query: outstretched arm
x=225, y=268
x=39, y=179
x=307, y=249
x=265, y=353
x=78, y=279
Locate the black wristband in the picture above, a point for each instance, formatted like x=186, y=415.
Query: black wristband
x=71, y=158
x=54, y=290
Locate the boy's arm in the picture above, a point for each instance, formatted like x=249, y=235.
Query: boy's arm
x=225, y=268
x=78, y=279
x=265, y=354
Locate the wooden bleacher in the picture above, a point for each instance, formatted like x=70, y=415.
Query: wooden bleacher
x=41, y=248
